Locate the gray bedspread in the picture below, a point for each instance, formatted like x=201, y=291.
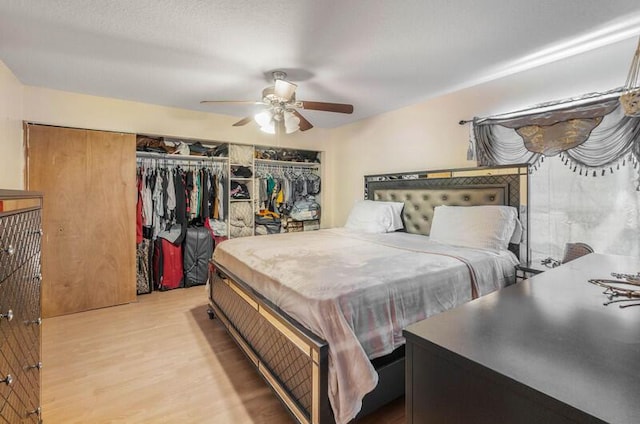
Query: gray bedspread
x=358, y=291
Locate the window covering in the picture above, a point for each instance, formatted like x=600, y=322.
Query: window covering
x=591, y=135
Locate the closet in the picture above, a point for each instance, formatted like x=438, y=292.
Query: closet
x=89, y=220
x=181, y=210
x=258, y=190
x=287, y=196
x=92, y=255
x=269, y=190
x=273, y=190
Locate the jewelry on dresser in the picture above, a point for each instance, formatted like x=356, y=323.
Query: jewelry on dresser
x=614, y=289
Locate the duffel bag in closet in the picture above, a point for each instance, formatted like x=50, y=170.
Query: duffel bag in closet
x=198, y=249
x=305, y=209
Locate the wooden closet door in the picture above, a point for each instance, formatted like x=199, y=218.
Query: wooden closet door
x=88, y=251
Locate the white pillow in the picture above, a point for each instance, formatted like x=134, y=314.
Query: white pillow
x=516, y=237
x=482, y=227
x=375, y=217
x=396, y=219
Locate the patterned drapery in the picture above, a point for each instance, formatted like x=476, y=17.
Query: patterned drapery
x=591, y=134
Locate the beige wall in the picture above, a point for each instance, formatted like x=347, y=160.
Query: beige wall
x=62, y=108
x=417, y=137
x=427, y=135
x=11, y=154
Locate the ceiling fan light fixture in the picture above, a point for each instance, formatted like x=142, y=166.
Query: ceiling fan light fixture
x=291, y=122
x=266, y=121
x=285, y=90
x=264, y=118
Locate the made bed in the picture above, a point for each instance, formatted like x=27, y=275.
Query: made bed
x=320, y=314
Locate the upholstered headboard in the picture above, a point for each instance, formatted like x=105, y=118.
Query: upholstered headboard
x=417, y=213
x=422, y=191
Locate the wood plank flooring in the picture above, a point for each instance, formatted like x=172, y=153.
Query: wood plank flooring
x=160, y=360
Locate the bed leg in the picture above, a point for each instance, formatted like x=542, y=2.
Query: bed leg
x=212, y=314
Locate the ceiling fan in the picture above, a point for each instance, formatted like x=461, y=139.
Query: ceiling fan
x=281, y=115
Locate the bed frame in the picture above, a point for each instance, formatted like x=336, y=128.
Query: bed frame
x=293, y=360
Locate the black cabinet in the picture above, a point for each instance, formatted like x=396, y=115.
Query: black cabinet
x=545, y=350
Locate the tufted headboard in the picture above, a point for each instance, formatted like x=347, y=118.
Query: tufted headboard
x=417, y=213
x=422, y=191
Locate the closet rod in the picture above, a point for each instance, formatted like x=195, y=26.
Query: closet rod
x=172, y=163
x=162, y=156
x=285, y=168
x=262, y=171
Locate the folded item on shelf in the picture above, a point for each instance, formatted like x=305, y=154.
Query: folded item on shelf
x=181, y=148
x=221, y=150
x=197, y=149
x=239, y=191
x=241, y=171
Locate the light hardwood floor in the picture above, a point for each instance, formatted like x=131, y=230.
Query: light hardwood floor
x=159, y=360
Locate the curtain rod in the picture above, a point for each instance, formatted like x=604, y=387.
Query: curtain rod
x=542, y=107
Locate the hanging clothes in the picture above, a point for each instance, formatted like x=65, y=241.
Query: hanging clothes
x=284, y=193
x=139, y=208
x=180, y=188
x=171, y=196
x=171, y=193
x=281, y=186
x=147, y=199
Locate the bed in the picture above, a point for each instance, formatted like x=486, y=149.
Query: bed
x=324, y=328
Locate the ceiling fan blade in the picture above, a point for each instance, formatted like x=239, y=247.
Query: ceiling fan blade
x=328, y=107
x=238, y=102
x=243, y=121
x=284, y=89
x=304, y=124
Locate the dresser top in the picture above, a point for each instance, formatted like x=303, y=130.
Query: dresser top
x=551, y=334
x=18, y=194
x=13, y=201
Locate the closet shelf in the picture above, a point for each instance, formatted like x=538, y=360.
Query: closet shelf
x=152, y=155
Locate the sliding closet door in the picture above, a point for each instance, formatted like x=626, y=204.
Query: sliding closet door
x=88, y=249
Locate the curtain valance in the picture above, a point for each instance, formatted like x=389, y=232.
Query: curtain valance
x=591, y=134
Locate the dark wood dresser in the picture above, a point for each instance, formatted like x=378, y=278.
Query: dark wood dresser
x=20, y=280
x=545, y=350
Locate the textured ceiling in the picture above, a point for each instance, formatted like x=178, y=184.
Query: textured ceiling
x=378, y=55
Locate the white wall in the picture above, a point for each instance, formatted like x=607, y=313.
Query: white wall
x=11, y=153
x=427, y=135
